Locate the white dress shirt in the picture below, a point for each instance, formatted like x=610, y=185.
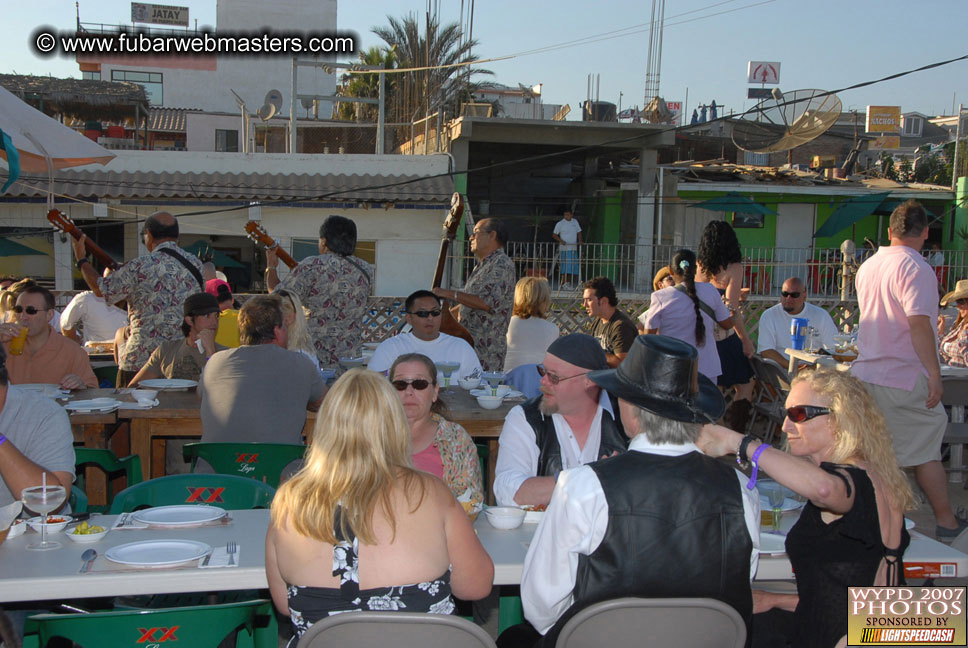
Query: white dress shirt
x=574, y=525
x=517, y=459
x=774, y=328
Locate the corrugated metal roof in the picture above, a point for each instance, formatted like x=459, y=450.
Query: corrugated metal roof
x=168, y=120
x=249, y=186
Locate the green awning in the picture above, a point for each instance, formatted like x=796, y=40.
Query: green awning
x=734, y=202
x=10, y=247
x=849, y=212
x=203, y=250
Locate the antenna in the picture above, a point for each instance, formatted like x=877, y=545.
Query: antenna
x=786, y=120
x=271, y=105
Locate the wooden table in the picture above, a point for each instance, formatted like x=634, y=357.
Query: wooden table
x=178, y=416
x=93, y=430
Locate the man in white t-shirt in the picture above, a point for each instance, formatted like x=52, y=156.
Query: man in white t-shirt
x=423, y=314
x=774, y=329
x=97, y=320
x=568, y=234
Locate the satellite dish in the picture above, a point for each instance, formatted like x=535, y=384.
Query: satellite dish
x=307, y=103
x=274, y=98
x=786, y=120
x=267, y=112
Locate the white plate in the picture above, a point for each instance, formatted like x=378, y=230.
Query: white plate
x=168, y=383
x=486, y=391
x=157, y=553
x=772, y=543
x=44, y=389
x=179, y=515
x=93, y=405
x=533, y=517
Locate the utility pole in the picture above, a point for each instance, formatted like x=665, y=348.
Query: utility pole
x=954, y=162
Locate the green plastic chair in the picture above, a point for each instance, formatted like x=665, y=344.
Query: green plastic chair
x=186, y=627
x=111, y=465
x=226, y=491
x=261, y=461
x=77, y=500
x=106, y=376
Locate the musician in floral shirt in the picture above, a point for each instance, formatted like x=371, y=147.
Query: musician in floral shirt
x=334, y=286
x=488, y=295
x=155, y=286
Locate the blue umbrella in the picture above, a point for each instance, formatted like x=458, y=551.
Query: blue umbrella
x=849, y=212
x=734, y=202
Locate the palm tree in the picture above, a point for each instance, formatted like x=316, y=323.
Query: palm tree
x=367, y=85
x=423, y=92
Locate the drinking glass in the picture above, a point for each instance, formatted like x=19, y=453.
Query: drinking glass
x=447, y=368
x=494, y=379
x=776, y=494
x=43, y=500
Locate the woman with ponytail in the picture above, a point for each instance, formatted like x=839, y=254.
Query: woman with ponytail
x=689, y=312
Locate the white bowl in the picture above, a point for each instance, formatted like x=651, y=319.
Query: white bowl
x=147, y=395
x=350, y=363
x=490, y=402
x=52, y=527
x=470, y=383
x=87, y=538
x=505, y=517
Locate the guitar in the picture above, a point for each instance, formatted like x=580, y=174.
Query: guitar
x=66, y=225
x=449, y=323
x=257, y=233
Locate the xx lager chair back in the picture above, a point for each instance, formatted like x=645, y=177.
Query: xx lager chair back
x=262, y=461
x=407, y=629
x=225, y=491
x=111, y=465
x=186, y=627
x=644, y=623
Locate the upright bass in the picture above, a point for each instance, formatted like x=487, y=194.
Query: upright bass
x=449, y=323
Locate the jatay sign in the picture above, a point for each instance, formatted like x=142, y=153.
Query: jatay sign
x=159, y=14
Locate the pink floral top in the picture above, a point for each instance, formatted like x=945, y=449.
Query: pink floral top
x=335, y=289
x=462, y=468
x=493, y=281
x=155, y=286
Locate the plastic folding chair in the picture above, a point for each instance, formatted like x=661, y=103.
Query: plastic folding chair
x=525, y=379
x=261, y=461
x=111, y=465
x=955, y=397
x=642, y=623
x=77, y=500
x=399, y=629
x=253, y=623
x=770, y=398
x=226, y=491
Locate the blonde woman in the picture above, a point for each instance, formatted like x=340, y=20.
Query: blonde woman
x=851, y=532
x=953, y=342
x=358, y=528
x=294, y=319
x=529, y=333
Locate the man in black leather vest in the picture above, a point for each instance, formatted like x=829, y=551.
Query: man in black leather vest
x=573, y=422
x=661, y=520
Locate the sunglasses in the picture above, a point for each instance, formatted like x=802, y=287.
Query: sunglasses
x=425, y=314
x=555, y=378
x=801, y=413
x=795, y=294
x=419, y=384
x=30, y=310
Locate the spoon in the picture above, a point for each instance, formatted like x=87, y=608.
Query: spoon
x=88, y=558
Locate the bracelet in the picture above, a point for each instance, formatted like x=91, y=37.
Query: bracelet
x=751, y=484
x=3, y=438
x=741, y=457
x=81, y=262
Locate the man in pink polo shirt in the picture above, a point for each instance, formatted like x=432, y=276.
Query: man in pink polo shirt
x=898, y=355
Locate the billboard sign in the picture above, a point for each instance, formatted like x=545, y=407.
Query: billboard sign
x=883, y=119
x=159, y=14
x=763, y=72
x=886, y=142
x=676, y=108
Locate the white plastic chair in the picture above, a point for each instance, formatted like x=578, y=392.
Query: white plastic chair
x=398, y=629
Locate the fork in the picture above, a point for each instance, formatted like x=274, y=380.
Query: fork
x=231, y=547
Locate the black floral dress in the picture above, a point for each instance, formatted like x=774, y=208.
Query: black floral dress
x=309, y=604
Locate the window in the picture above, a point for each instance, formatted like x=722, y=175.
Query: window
x=912, y=126
x=150, y=81
x=226, y=140
x=93, y=76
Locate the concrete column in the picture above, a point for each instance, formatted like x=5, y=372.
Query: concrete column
x=645, y=220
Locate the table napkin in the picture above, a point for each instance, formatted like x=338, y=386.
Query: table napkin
x=220, y=558
x=137, y=406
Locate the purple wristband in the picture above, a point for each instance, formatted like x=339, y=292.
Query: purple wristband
x=3, y=438
x=755, y=460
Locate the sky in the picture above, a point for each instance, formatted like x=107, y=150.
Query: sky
x=825, y=44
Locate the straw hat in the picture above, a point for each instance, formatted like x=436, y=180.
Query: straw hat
x=960, y=292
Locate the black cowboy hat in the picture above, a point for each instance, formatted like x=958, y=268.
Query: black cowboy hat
x=661, y=375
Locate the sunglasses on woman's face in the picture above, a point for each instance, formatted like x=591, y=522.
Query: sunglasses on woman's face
x=801, y=413
x=419, y=384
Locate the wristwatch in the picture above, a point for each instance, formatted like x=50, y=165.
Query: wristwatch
x=81, y=262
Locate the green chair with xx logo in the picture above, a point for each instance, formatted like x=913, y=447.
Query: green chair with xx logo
x=262, y=461
x=225, y=491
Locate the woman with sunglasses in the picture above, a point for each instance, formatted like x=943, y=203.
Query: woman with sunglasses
x=440, y=447
x=953, y=345
x=851, y=531
x=358, y=528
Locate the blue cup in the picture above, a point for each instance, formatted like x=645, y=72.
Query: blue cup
x=798, y=332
